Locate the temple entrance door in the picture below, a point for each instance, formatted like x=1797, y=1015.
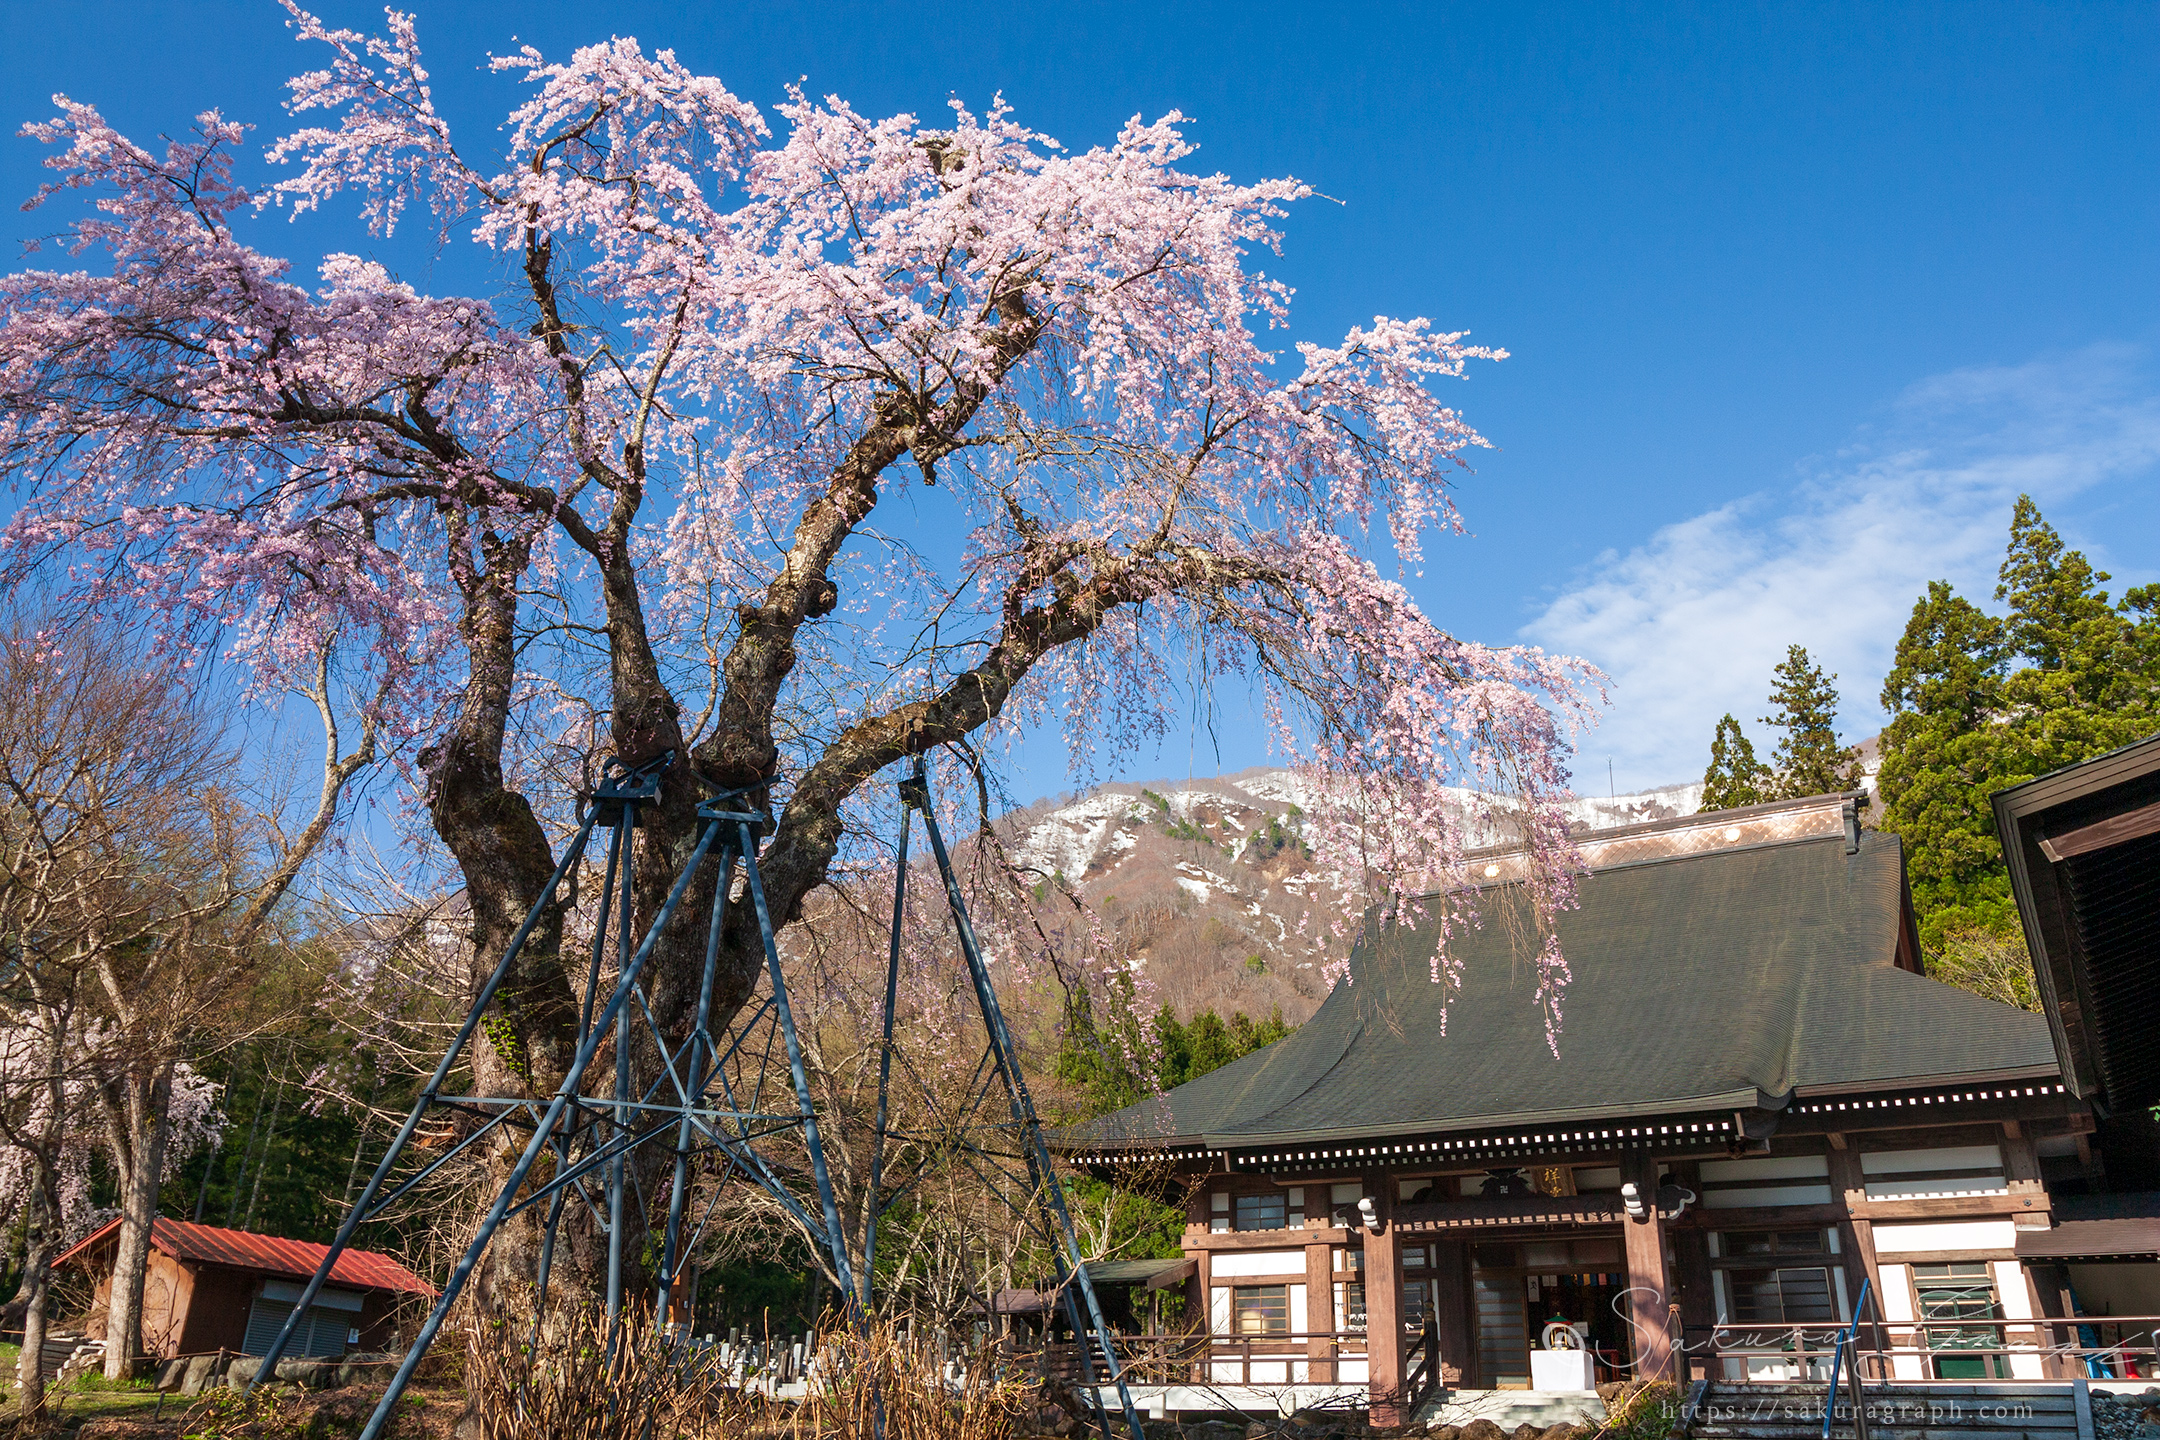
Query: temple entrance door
x=1517, y=1290
x=1503, y=1329
x=1590, y=1298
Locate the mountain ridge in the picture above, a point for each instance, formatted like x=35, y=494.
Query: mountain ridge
x=1208, y=884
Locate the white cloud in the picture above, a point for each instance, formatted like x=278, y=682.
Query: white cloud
x=1690, y=623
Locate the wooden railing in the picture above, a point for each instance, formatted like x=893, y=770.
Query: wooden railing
x=1424, y=1363
x=1275, y=1359
x=2111, y=1347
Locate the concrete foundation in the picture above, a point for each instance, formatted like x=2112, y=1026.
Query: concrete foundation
x=1510, y=1408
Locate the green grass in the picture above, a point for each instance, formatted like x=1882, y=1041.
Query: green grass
x=87, y=1397
x=92, y=1382
x=80, y=1405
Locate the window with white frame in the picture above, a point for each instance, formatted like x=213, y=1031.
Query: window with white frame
x=1764, y=1278
x=1960, y=1290
x=1260, y=1310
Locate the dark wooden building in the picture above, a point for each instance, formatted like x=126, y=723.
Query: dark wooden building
x=210, y=1289
x=1758, y=1105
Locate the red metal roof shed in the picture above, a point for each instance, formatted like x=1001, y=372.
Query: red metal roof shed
x=271, y=1254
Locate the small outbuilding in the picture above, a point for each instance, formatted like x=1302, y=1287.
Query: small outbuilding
x=209, y=1289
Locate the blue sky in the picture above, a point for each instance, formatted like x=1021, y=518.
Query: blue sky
x=1798, y=297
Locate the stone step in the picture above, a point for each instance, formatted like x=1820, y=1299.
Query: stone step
x=2037, y=1390
x=1793, y=1411
x=1940, y=1417
x=2055, y=1398
x=1878, y=1432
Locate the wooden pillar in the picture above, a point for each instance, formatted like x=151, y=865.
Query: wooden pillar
x=1197, y=1209
x=1319, y=1318
x=1383, y=1305
x=2049, y=1286
x=1696, y=1295
x=1693, y=1289
x=1452, y=1313
x=1856, y=1237
x=1647, y=1261
x=2021, y=1168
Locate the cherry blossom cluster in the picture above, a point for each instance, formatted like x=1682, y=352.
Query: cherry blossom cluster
x=723, y=345
x=195, y=1123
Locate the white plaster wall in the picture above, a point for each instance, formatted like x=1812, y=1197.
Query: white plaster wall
x=1803, y=1168
x=1896, y=1308
x=1946, y=1235
x=1768, y=1195
x=1945, y=1157
x=2016, y=1298
x=1883, y=1171
x=1779, y=1167
x=1229, y=1264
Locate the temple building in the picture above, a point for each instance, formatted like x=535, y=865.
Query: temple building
x=1757, y=1115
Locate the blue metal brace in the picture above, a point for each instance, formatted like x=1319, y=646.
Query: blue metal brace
x=590, y=1134
x=612, y=1129
x=1042, y=1173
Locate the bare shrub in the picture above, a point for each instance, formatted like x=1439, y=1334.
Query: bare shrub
x=570, y=1387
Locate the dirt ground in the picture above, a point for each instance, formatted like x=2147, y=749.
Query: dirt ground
x=286, y=1414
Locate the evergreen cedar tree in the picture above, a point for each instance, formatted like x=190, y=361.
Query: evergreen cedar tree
x=1808, y=759
x=1735, y=777
x=1980, y=702
x=1209, y=1043
x=1108, y=1071
x=1977, y=703
x=638, y=502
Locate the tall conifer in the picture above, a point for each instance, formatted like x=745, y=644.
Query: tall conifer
x=1940, y=754
x=1735, y=777
x=1978, y=704
x=1808, y=759
x=2092, y=681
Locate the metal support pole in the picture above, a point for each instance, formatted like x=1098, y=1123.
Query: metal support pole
x=884, y=1079
x=545, y=1271
x=835, y=1238
x=359, y=1211
x=1023, y=1105
x=541, y=1134
x=591, y=1136
x=671, y=1254
x=624, y=839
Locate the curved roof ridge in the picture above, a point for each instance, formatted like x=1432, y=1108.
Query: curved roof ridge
x=1745, y=971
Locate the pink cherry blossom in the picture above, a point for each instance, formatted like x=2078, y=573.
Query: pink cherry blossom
x=667, y=487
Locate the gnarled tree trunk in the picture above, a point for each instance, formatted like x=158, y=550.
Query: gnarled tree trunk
x=137, y=1120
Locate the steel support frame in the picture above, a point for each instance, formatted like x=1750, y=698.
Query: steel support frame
x=590, y=1134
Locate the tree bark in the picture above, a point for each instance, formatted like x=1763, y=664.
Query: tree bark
x=505, y=858
x=139, y=1155
x=43, y=1244
x=41, y=1222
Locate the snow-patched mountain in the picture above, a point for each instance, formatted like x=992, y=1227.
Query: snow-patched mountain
x=1210, y=887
